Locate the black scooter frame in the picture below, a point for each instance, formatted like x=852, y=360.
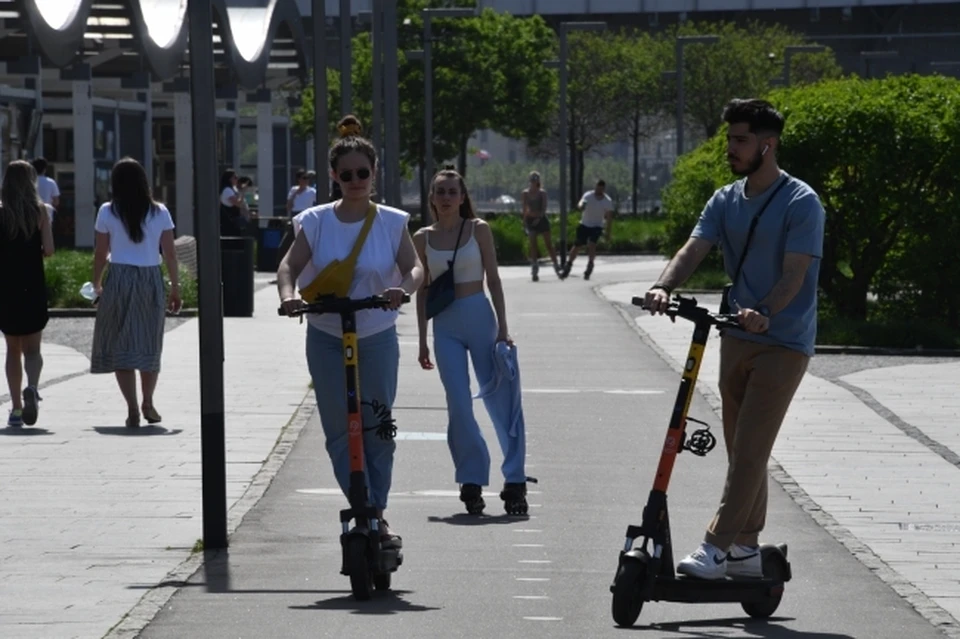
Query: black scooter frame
x=646, y=573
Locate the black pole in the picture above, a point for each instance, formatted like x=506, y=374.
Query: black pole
x=207, y=228
x=320, y=116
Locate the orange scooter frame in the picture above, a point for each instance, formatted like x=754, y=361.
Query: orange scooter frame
x=646, y=572
x=364, y=560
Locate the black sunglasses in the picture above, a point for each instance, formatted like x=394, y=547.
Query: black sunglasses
x=347, y=176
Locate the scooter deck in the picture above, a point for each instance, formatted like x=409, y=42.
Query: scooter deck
x=692, y=590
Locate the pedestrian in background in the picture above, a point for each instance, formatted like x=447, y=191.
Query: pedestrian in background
x=25, y=239
x=131, y=230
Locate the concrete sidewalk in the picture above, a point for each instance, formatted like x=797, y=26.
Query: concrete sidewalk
x=90, y=510
x=882, y=478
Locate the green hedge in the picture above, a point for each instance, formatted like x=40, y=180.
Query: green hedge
x=629, y=236
x=67, y=270
x=882, y=154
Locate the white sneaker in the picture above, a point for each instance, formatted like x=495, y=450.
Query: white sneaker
x=706, y=562
x=744, y=562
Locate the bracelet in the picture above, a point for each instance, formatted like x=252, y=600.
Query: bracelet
x=662, y=287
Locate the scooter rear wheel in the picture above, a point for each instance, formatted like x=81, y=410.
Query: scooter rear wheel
x=381, y=581
x=627, y=586
x=361, y=580
x=773, y=568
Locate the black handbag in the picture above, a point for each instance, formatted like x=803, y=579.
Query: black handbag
x=725, y=297
x=442, y=291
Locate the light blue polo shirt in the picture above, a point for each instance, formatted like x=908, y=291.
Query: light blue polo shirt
x=792, y=223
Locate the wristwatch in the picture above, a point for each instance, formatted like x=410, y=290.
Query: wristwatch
x=663, y=287
x=763, y=310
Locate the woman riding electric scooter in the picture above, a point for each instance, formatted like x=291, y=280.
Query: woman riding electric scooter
x=323, y=261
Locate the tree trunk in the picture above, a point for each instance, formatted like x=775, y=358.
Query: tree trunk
x=571, y=170
x=424, y=207
x=579, y=179
x=462, y=158
x=636, y=158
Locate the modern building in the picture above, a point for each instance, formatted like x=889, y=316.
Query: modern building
x=85, y=82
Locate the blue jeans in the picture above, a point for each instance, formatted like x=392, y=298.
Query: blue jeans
x=379, y=360
x=469, y=325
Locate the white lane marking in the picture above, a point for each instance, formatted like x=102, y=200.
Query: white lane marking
x=528, y=545
x=408, y=493
x=526, y=530
x=531, y=314
x=604, y=391
x=543, y=618
x=533, y=579
x=424, y=437
x=535, y=561
x=538, y=597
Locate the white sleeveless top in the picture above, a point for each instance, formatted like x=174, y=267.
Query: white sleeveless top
x=376, y=268
x=468, y=267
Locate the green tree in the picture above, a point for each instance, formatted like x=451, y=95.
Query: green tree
x=743, y=63
x=487, y=73
x=887, y=230
x=612, y=78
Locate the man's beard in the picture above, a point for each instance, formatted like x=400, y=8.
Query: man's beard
x=752, y=167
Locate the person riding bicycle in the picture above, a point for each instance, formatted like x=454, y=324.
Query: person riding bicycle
x=385, y=264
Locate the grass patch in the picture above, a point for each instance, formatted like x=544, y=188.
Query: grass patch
x=707, y=279
x=629, y=236
x=197, y=546
x=67, y=270
x=901, y=334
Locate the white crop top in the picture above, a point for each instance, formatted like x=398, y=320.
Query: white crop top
x=468, y=267
x=376, y=268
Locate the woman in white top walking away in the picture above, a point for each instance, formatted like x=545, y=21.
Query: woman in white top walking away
x=131, y=230
x=469, y=325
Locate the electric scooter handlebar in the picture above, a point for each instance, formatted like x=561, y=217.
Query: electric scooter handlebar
x=688, y=309
x=339, y=305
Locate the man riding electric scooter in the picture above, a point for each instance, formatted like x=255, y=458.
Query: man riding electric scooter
x=770, y=227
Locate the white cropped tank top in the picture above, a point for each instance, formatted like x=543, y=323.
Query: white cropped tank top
x=468, y=267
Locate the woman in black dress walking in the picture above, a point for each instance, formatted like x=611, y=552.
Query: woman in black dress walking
x=25, y=238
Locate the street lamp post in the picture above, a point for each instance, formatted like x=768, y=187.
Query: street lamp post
x=565, y=28
x=683, y=41
x=321, y=118
x=213, y=468
x=793, y=49
x=428, y=16
x=346, y=59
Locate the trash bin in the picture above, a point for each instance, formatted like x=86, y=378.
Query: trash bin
x=269, y=245
x=236, y=265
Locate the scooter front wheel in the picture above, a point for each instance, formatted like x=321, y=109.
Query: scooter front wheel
x=627, y=588
x=774, y=567
x=358, y=565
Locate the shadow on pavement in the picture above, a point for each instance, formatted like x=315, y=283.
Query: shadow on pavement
x=466, y=519
x=25, y=431
x=385, y=602
x=711, y=628
x=142, y=431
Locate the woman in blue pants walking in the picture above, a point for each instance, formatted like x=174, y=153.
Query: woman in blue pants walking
x=469, y=325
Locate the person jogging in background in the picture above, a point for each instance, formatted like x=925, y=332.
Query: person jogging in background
x=597, y=218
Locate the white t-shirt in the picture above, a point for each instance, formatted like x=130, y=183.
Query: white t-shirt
x=303, y=200
x=226, y=194
x=47, y=188
x=376, y=268
x=594, y=209
x=122, y=248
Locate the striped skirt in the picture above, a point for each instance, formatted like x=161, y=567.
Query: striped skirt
x=128, y=333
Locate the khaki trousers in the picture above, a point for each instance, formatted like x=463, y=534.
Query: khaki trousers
x=757, y=383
